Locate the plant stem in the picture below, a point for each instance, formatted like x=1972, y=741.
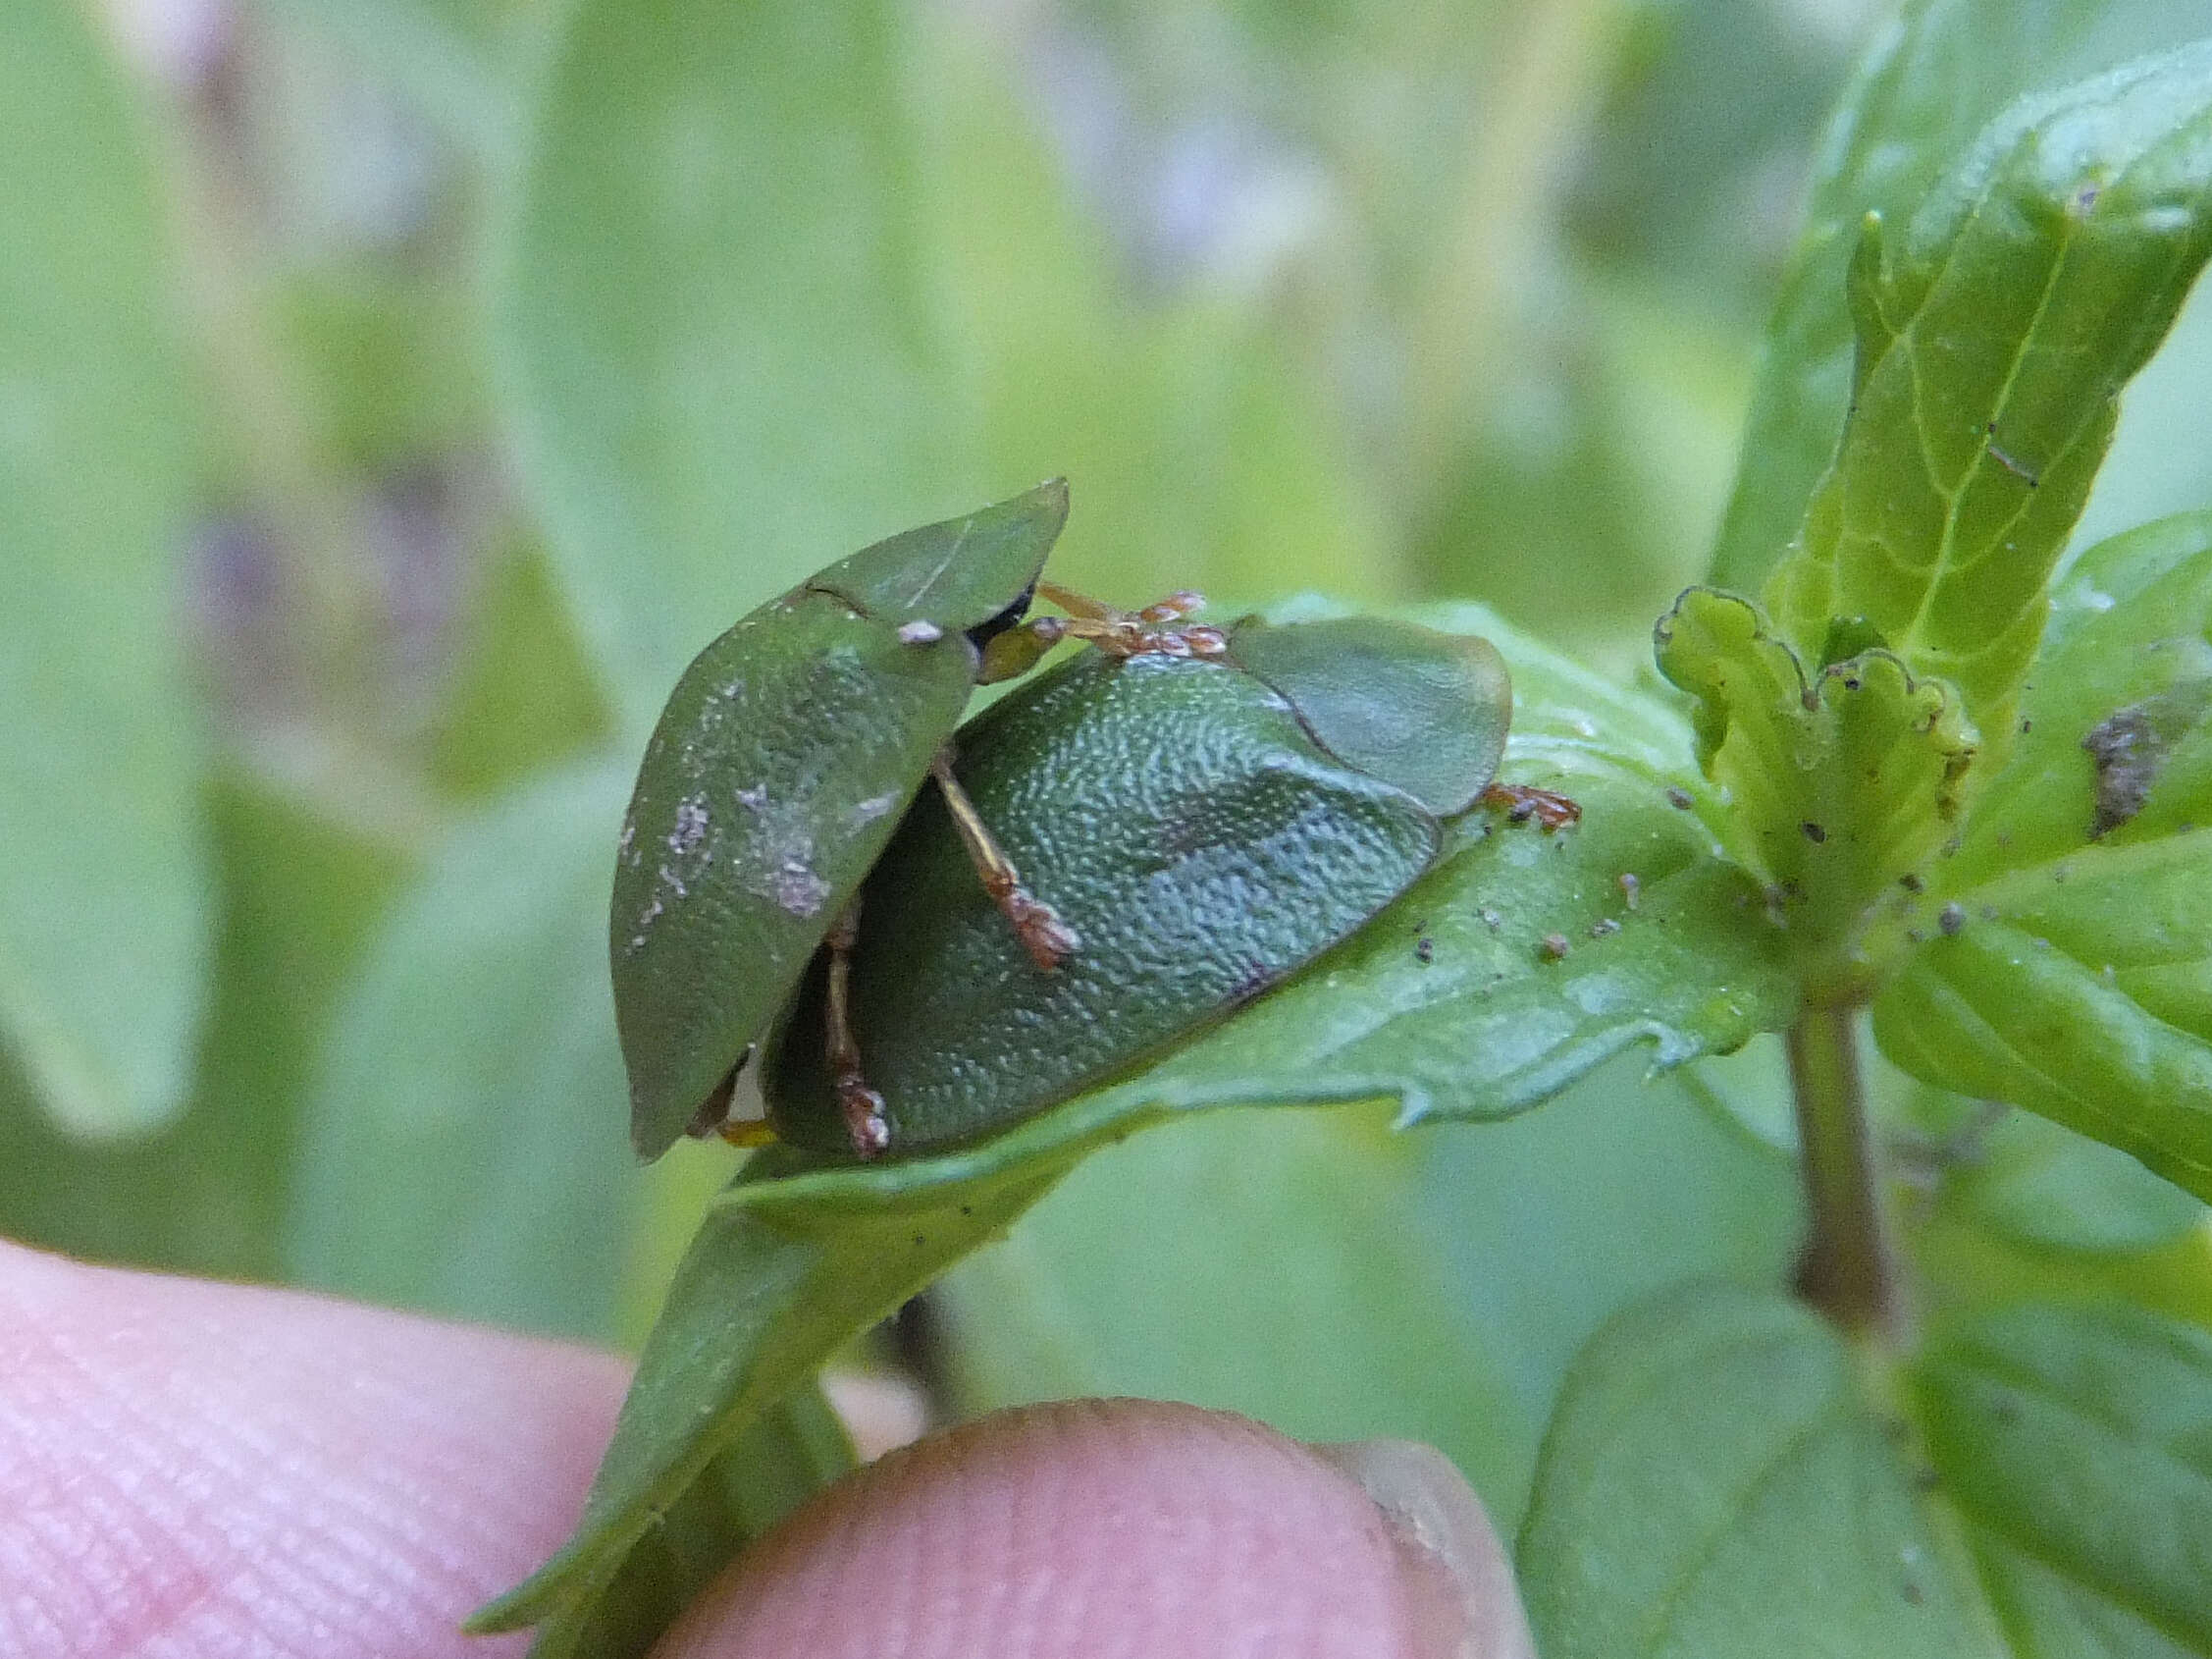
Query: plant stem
x=1847, y=1271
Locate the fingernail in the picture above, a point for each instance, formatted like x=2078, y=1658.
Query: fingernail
x=1457, y=1573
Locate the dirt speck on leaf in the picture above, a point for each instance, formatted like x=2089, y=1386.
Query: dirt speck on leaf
x=2129, y=747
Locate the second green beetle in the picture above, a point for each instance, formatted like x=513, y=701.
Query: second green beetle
x=1207, y=825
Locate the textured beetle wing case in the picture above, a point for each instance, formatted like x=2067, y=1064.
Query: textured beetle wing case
x=1178, y=815
x=775, y=777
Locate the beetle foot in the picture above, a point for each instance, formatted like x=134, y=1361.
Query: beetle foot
x=1151, y=631
x=1048, y=940
x=863, y=1108
x=1520, y=803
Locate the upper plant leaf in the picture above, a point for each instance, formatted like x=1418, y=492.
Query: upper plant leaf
x=717, y=347
x=2114, y=743
x=105, y=902
x=1930, y=81
x=1995, y=329
x=1718, y=1481
x=2066, y=954
x=1540, y=961
x=2080, y=989
x=1842, y=782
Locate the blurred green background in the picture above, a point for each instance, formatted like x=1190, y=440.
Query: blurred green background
x=394, y=394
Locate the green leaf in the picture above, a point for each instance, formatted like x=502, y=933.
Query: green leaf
x=455, y=61
x=1201, y=452
x=105, y=910
x=713, y=333
x=1928, y=84
x=207, y=1192
x=796, y=1448
x=796, y=1260
x=2076, y=1446
x=1841, y=782
x=2043, y=1186
x=1714, y=1485
x=1718, y=1481
x=2063, y=968
x=1267, y=1264
x=464, y=1151
x=2130, y=641
x=524, y=697
x=104, y=905
x=1997, y=329
x=2080, y=989
x=2160, y=462
x=783, y=1272
x=1306, y=1270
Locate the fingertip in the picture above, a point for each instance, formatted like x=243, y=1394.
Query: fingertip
x=1068, y=1531
x=217, y=1468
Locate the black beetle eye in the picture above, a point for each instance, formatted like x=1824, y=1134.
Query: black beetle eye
x=984, y=632
x=715, y=1110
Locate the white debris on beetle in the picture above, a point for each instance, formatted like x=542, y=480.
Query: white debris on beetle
x=919, y=632
x=795, y=888
x=646, y=918
x=873, y=808
x=691, y=825
x=779, y=865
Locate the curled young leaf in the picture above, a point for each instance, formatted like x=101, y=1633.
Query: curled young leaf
x=1843, y=782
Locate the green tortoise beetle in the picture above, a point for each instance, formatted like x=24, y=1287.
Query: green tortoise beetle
x=1207, y=824
x=1217, y=807
x=784, y=759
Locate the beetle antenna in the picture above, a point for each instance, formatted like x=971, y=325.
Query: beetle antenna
x=1038, y=927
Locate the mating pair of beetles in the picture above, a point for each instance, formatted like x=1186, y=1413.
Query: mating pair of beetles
x=1163, y=828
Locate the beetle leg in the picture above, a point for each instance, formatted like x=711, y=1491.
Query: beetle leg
x=1014, y=651
x=1520, y=803
x=1083, y=605
x=862, y=1106
x=1036, y=925
x=1119, y=633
